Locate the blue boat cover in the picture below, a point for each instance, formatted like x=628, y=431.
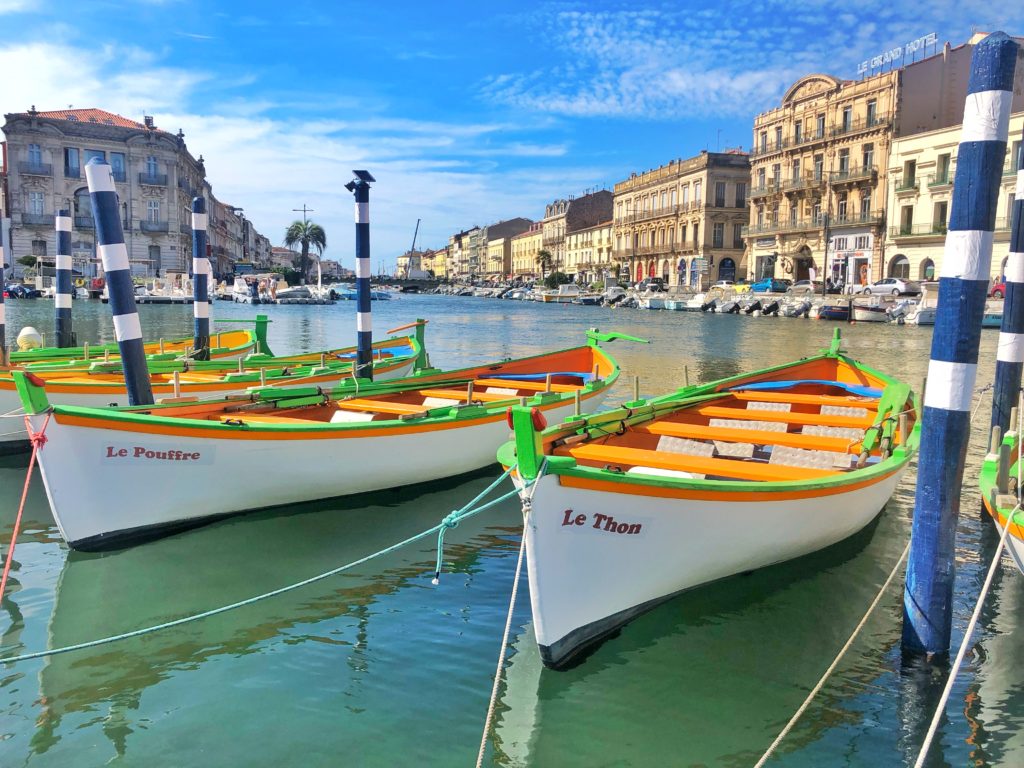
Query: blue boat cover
x=395, y=351
x=540, y=376
x=854, y=389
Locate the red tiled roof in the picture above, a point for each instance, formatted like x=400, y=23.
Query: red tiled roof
x=90, y=116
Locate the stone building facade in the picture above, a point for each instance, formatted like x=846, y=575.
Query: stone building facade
x=588, y=253
x=683, y=221
x=564, y=216
x=526, y=248
x=155, y=175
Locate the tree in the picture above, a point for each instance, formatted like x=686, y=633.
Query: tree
x=305, y=234
x=544, y=261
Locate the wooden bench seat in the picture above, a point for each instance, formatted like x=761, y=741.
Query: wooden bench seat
x=786, y=417
x=378, y=406
x=460, y=395
x=535, y=386
x=740, y=470
x=782, y=397
x=755, y=436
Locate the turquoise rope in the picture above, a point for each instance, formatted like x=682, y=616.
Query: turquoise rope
x=439, y=528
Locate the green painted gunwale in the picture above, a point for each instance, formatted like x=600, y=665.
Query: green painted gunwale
x=987, y=476
x=643, y=410
x=34, y=401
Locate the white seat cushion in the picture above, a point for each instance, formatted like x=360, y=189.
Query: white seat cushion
x=670, y=444
x=763, y=426
x=757, y=405
x=843, y=410
x=798, y=457
x=664, y=473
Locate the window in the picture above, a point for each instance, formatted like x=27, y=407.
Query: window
x=777, y=175
x=798, y=132
x=942, y=169
x=741, y=194
x=862, y=242
x=35, y=155
x=718, y=235
x=71, y=166
x=154, y=258
x=819, y=166
x=794, y=212
x=1015, y=150
x=760, y=215
x=153, y=211
x=844, y=161
x=906, y=219
x=778, y=137
x=761, y=178
x=151, y=168
x=909, y=173
x=720, y=194
x=816, y=211
x=36, y=203
x=865, y=203
x=664, y=199
x=696, y=235
x=697, y=199
x=38, y=248
x=940, y=215
x=775, y=215
x=795, y=171
x=820, y=132
x=764, y=141
x=686, y=195
x=91, y=153
x=872, y=112
x=682, y=233
x=868, y=156
x=672, y=197
x=117, y=165
x=842, y=200
x=737, y=235
x=900, y=267
x=840, y=244
x=847, y=118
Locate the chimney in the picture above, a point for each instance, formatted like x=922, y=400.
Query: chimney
x=148, y=120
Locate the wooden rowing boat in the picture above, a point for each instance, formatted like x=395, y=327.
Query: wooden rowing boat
x=101, y=383
x=637, y=504
x=117, y=474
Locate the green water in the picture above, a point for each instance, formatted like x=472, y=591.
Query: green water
x=378, y=667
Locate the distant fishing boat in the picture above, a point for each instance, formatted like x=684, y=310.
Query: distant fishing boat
x=1000, y=503
x=635, y=505
x=280, y=446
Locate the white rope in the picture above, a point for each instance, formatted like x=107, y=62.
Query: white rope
x=527, y=497
x=814, y=691
x=996, y=559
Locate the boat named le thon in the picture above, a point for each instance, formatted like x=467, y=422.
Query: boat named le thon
x=637, y=504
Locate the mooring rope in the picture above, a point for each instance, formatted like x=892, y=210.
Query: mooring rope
x=527, y=498
x=835, y=663
x=465, y=512
x=38, y=441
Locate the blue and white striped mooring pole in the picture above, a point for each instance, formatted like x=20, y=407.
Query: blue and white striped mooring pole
x=360, y=187
x=200, y=284
x=114, y=256
x=1010, y=352
x=62, y=290
x=963, y=284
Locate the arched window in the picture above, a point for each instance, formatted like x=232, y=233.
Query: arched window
x=666, y=269
x=639, y=271
x=652, y=269
x=927, y=270
x=83, y=209
x=727, y=269
x=899, y=267
x=694, y=272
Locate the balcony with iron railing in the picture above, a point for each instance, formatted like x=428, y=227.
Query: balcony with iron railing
x=940, y=180
x=72, y=173
x=769, y=147
x=907, y=187
x=769, y=187
x=1010, y=169
x=782, y=226
x=797, y=183
x=932, y=229
x=84, y=222
x=153, y=227
x=185, y=229
x=37, y=219
x=119, y=175
x=35, y=169
x=854, y=173
x=857, y=219
x=860, y=124
x=153, y=179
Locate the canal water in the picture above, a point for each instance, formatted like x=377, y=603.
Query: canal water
x=378, y=667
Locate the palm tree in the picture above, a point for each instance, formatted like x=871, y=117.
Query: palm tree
x=305, y=234
x=544, y=261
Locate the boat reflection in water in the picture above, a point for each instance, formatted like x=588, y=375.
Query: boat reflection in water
x=102, y=595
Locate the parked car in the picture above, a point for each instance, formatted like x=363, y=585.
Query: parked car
x=652, y=284
x=998, y=290
x=772, y=285
x=724, y=284
x=894, y=286
x=804, y=286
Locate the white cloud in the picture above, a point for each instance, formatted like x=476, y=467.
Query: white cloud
x=17, y=6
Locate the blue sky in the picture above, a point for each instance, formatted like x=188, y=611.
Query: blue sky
x=466, y=112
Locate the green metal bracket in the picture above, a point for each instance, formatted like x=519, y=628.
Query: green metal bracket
x=528, y=443
x=33, y=396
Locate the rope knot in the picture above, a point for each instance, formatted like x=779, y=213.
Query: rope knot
x=452, y=520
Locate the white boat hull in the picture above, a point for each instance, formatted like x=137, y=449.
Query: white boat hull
x=870, y=314
x=109, y=486
x=598, y=558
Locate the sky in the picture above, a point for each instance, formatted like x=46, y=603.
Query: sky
x=466, y=113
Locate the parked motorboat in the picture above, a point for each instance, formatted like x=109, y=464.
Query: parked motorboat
x=564, y=294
